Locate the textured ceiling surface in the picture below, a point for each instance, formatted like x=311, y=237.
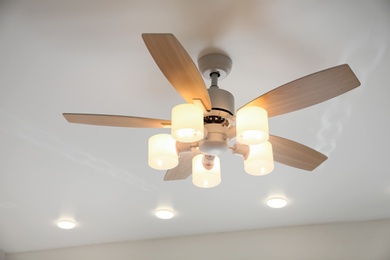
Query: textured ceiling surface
x=88, y=57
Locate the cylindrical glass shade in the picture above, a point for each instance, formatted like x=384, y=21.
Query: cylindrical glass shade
x=252, y=125
x=187, y=123
x=203, y=178
x=260, y=160
x=162, y=152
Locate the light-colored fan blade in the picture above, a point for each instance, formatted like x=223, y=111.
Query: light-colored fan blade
x=307, y=91
x=184, y=169
x=295, y=154
x=112, y=120
x=177, y=66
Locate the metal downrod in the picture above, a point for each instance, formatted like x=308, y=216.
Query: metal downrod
x=214, y=79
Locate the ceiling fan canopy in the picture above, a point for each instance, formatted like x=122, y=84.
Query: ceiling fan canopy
x=208, y=124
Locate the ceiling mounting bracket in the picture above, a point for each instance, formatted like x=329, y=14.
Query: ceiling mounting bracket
x=215, y=63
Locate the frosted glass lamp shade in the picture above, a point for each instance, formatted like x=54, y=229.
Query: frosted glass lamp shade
x=162, y=152
x=187, y=123
x=202, y=177
x=252, y=125
x=260, y=160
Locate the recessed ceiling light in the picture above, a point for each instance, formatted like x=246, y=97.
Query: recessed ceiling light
x=277, y=203
x=164, y=214
x=66, y=224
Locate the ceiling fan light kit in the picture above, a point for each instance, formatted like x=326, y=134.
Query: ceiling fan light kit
x=162, y=152
x=187, y=123
x=206, y=171
x=250, y=131
x=260, y=160
x=203, y=128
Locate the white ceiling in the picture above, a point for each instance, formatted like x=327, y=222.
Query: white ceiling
x=88, y=57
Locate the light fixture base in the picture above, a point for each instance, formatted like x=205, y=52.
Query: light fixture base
x=215, y=62
x=215, y=142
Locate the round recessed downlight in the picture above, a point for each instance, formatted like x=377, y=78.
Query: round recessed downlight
x=66, y=224
x=277, y=203
x=164, y=214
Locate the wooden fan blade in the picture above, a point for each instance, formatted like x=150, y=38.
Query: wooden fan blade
x=184, y=169
x=112, y=120
x=295, y=154
x=307, y=91
x=177, y=66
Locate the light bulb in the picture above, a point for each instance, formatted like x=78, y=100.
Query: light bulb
x=66, y=224
x=164, y=214
x=277, y=203
x=252, y=125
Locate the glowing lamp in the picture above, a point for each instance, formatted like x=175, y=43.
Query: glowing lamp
x=260, y=160
x=66, y=224
x=187, y=123
x=164, y=214
x=162, y=152
x=277, y=203
x=205, y=178
x=252, y=125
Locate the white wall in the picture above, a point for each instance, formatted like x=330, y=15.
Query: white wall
x=2, y=255
x=357, y=240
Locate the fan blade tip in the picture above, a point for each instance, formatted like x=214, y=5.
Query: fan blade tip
x=144, y=35
x=323, y=160
x=311, y=168
x=166, y=178
x=349, y=67
x=358, y=83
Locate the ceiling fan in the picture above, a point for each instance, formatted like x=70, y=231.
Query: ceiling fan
x=208, y=126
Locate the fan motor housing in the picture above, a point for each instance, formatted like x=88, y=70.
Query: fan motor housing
x=217, y=122
x=216, y=66
x=221, y=100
